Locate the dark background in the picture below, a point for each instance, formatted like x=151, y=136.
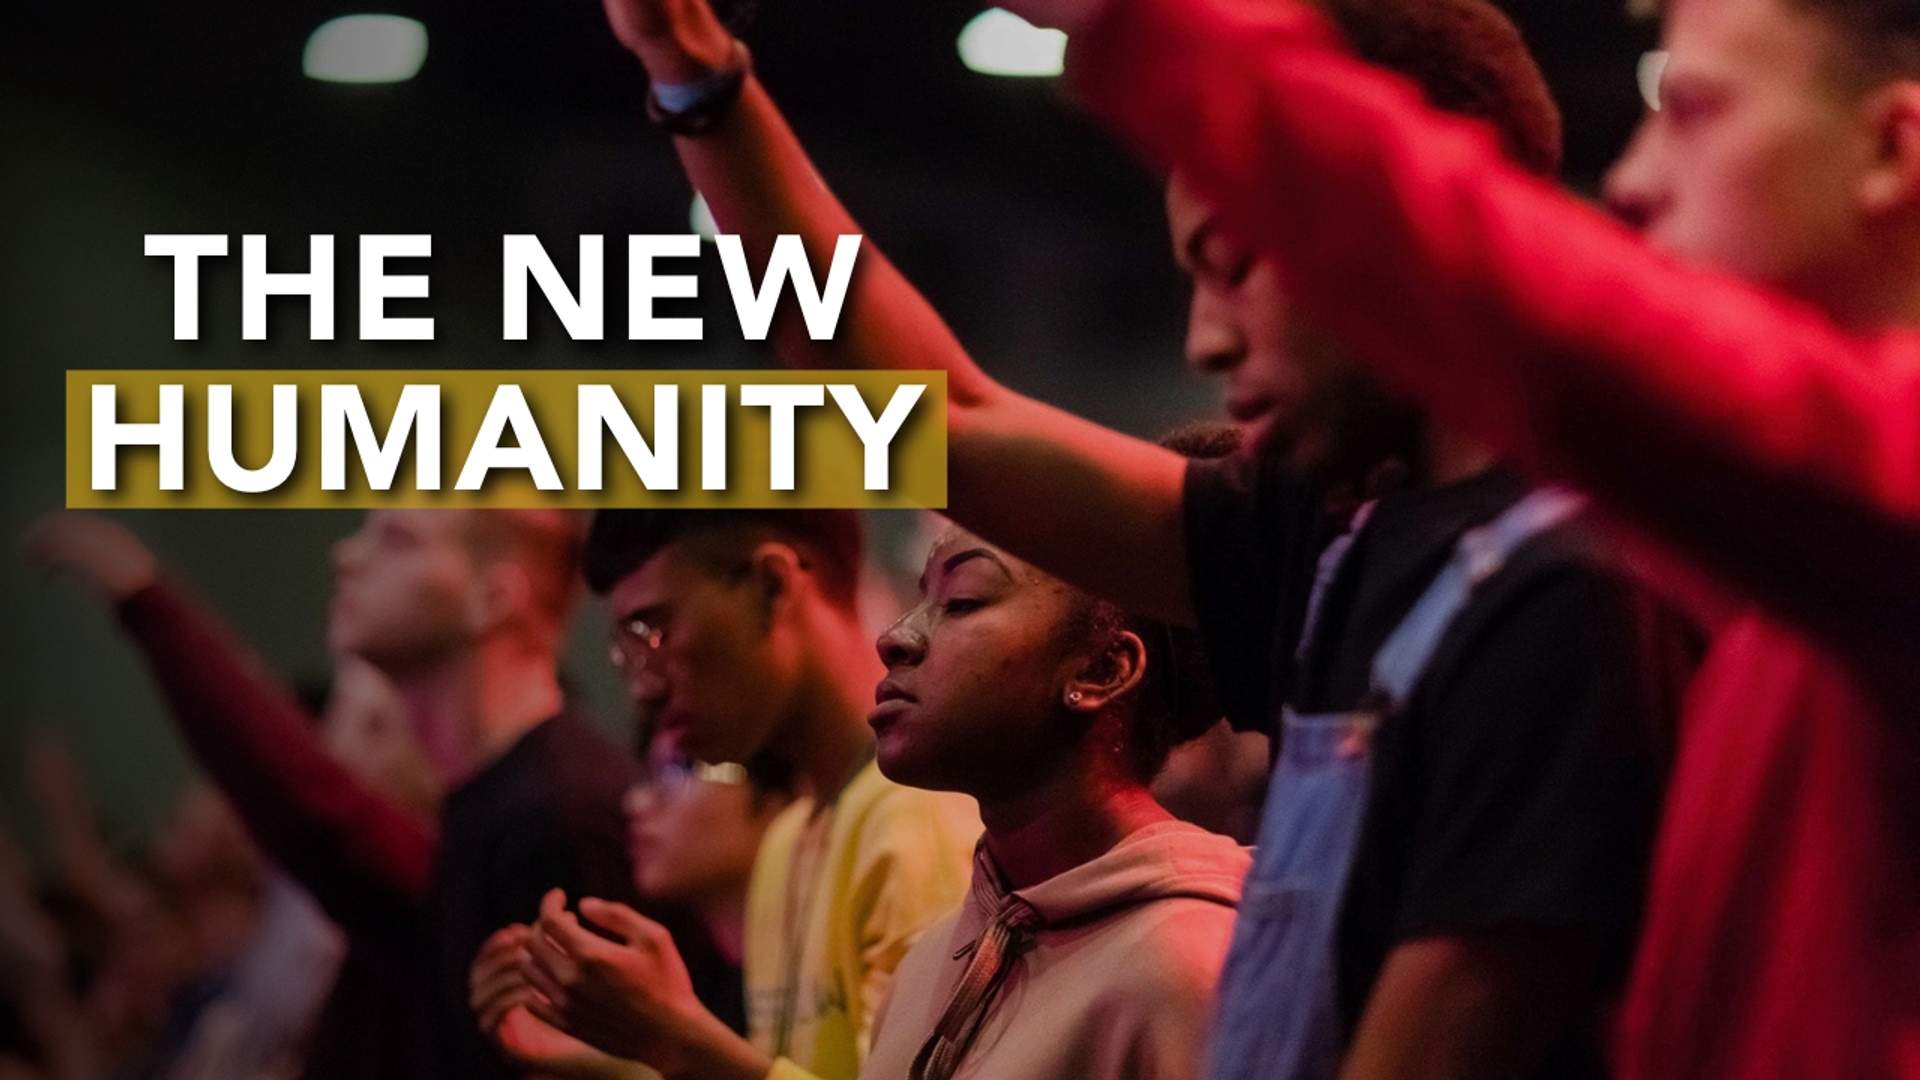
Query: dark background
x=1040, y=241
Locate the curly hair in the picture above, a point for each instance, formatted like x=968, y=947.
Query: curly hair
x=1468, y=58
x=1175, y=702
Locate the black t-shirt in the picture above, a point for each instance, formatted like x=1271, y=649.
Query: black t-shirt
x=1519, y=785
x=546, y=814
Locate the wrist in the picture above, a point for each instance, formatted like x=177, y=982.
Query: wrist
x=688, y=52
x=715, y=1052
x=134, y=580
x=119, y=590
x=701, y=107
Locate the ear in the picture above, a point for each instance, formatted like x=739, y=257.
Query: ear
x=1892, y=182
x=1106, y=678
x=501, y=590
x=777, y=572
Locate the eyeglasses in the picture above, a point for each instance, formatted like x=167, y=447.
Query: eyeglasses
x=670, y=778
x=634, y=645
x=636, y=641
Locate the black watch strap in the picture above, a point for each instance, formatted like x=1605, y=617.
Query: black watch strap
x=713, y=97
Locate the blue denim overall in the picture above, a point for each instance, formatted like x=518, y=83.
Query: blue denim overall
x=1278, y=1013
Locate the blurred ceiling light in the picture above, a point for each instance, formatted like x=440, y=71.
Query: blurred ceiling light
x=998, y=42
x=365, y=49
x=1653, y=65
x=701, y=218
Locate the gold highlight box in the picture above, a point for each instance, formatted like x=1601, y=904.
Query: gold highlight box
x=333, y=439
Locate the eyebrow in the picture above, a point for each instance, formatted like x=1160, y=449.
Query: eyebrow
x=958, y=557
x=971, y=553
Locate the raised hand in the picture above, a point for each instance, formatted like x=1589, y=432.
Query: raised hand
x=101, y=554
x=679, y=41
x=32, y=948
x=88, y=867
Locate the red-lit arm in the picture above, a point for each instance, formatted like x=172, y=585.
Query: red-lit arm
x=357, y=852
x=1743, y=430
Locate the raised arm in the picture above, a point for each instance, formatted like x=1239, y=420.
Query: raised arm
x=1743, y=430
x=87, y=867
x=1089, y=504
x=358, y=853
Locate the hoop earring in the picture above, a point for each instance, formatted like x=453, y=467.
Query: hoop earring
x=1073, y=697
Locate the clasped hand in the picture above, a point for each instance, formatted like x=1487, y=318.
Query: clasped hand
x=561, y=997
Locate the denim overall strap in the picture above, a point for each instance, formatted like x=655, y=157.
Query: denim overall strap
x=1278, y=1010
x=1325, y=570
x=1478, y=556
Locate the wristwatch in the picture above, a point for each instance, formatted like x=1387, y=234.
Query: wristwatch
x=698, y=107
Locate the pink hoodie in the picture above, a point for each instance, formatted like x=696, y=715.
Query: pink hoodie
x=1116, y=981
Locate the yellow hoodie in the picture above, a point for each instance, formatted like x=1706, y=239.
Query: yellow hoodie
x=840, y=892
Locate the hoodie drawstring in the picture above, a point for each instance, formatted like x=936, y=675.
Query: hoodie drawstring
x=1010, y=933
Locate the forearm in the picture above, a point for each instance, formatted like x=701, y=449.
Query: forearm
x=1449, y=1008
x=356, y=851
x=1087, y=504
x=95, y=877
x=67, y=1044
x=759, y=185
x=1744, y=431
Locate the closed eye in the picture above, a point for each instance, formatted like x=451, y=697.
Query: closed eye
x=1684, y=101
x=1218, y=260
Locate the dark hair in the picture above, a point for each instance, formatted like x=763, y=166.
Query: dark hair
x=621, y=541
x=1470, y=59
x=1176, y=701
x=771, y=776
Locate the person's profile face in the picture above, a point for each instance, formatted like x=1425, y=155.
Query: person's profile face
x=1238, y=323
x=693, y=647
x=404, y=589
x=1752, y=154
x=976, y=672
x=1299, y=396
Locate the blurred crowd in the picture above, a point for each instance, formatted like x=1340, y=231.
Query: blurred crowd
x=191, y=956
